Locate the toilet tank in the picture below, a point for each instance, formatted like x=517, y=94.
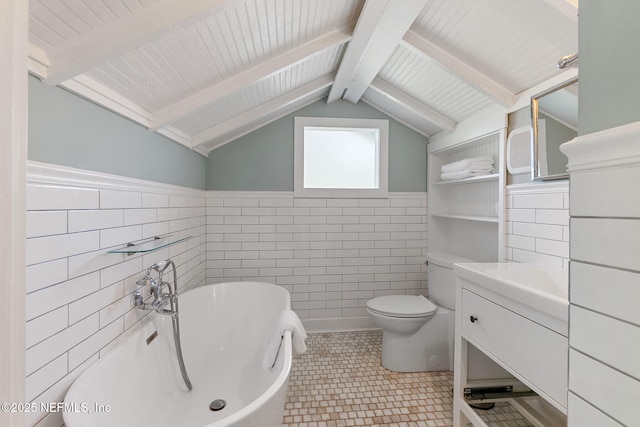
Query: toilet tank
x=442, y=281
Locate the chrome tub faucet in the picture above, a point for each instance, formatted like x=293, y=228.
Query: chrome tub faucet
x=160, y=301
x=155, y=286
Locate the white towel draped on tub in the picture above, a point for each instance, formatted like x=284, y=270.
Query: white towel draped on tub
x=288, y=320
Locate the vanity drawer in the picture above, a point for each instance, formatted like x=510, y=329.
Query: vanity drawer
x=536, y=354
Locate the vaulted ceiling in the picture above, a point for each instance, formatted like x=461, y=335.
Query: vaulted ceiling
x=205, y=72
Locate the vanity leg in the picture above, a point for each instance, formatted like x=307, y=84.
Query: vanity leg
x=459, y=364
x=459, y=382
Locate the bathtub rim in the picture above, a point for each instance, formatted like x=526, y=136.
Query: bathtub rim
x=285, y=351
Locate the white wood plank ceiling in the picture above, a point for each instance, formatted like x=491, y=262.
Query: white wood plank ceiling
x=205, y=72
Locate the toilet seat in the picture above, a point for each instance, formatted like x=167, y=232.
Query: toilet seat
x=404, y=306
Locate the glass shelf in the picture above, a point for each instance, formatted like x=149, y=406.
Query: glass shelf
x=149, y=245
x=481, y=218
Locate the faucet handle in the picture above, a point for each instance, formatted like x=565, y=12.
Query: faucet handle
x=145, y=281
x=136, y=299
x=148, y=281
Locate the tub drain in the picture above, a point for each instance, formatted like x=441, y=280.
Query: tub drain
x=217, y=405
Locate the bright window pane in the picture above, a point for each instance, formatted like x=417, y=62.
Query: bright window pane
x=341, y=158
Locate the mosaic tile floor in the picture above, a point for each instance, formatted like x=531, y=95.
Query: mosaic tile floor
x=339, y=382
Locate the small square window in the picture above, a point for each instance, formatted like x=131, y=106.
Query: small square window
x=336, y=157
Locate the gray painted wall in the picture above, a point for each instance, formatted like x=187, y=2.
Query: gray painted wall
x=65, y=129
x=263, y=159
x=68, y=130
x=609, y=64
x=557, y=161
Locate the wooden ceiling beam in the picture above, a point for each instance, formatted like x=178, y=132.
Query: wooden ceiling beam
x=313, y=91
x=207, y=148
x=379, y=29
x=412, y=104
x=100, y=94
x=249, y=76
x=38, y=61
x=366, y=99
x=111, y=41
x=459, y=68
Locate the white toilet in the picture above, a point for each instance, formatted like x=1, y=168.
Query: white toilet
x=417, y=333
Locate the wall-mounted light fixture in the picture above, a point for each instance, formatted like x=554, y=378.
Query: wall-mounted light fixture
x=568, y=61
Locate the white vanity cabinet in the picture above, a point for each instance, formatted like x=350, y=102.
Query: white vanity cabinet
x=530, y=342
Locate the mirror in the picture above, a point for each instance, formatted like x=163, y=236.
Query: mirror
x=554, y=121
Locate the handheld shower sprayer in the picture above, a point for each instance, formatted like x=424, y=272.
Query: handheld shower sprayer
x=160, y=300
x=159, y=266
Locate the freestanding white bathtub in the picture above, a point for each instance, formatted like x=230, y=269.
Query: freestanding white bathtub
x=224, y=328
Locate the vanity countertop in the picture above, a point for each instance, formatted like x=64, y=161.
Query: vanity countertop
x=540, y=291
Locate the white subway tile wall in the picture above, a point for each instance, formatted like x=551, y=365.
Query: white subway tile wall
x=78, y=295
x=537, y=224
x=332, y=255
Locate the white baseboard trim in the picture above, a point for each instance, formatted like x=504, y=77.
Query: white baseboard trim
x=338, y=324
x=51, y=174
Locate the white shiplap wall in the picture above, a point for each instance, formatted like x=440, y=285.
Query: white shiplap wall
x=604, y=323
x=331, y=254
x=537, y=223
x=78, y=295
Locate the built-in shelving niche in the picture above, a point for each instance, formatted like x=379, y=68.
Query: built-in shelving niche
x=466, y=216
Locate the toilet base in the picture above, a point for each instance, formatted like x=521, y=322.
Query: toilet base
x=429, y=349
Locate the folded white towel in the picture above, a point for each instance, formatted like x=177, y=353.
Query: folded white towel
x=288, y=321
x=475, y=162
x=462, y=174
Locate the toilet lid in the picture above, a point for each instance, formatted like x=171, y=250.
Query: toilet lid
x=402, y=306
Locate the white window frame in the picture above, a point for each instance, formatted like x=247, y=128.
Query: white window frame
x=298, y=184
